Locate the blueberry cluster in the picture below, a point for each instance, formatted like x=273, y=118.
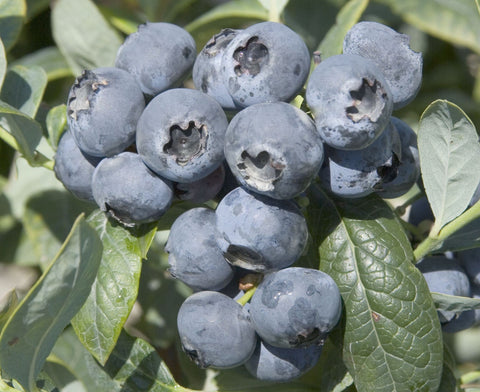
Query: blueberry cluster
x=137, y=139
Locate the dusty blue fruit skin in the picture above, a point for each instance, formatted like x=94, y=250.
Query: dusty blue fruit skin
x=390, y=50
x=181, y=135
x=295, y=307
x=103, y=108
x=215, y=331
x=193, y=254
x=470, y=261
x=73, y=168
x=202, y=190
x=158, y=55
x=408, y=170
x=277, y=364
x=350, y=100
x=259, y=233
x=354, y=174
x=266, y=62
x=127, y=190
x=445, y=275
x=460, y=322
x=207, y=70
x=420, y=211
x=273, y=149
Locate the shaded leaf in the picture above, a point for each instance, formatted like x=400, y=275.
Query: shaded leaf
x=23, y=88
x=449, y=382
x=12, y=15
x=274, y=8
x=455, y=21
x=38, y=321
x=100, y=321
x=56, y=124
x=466, y=238
x=20, y=132
x=133, y=365
x=455, y=303
x=35, y=7
x=391, y=337
x=7, y=307
x=348, y=15
x=50, y=59
x=449, y=150
x=83, y=35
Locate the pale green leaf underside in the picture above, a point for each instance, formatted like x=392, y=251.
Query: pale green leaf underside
x=83, y=35
x=50, y=59
x=3, y=63
x=56, y=124
x=350, y=14
x=449, y=150
x=455, y=303
x=455, y=21
x=32, y=330
x=100, y=321
x=12, y=16
x=392, y=337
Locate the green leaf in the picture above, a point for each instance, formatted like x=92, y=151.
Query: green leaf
x=20, y=132
x=3, y=63
x=31, y=332
x=455, y=303
x=392, y=338
x=350, y=14
x=7, y=307
x=35, y=7
x=56, y=124
x=449, y=150
x=455, y=21
x=23, y=88
x=47, y=227
x=449, y=382
x=133, y=365
x=62, y=377
x=50, y=59
x=83, y=35
x=100, y=321
x=12, y=15
x=466, y=238
x=274, y=8
x=241, y=9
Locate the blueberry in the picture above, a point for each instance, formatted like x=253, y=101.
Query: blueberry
x=260, y=233
x=295, y=307
x=420, y=211
x=128, y=191
x=470, y=261
x=460, y=322
x=351, y=101
x=103, y=108
x=202, y=190
x=193, y=254
x=181, y=135
x=266, y=62
x=445, y=275
x=159, y=55
x=215, y=331
x=353, y=174
x=278, y=364
x=207, y=70
x=408, y=169
x=273, y=149
x=390, y=50
x=73, y=168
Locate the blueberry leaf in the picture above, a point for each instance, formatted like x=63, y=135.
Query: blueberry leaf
x=134, y=365
x=23, y=88
x=12, y=14
x=30, y=333
x=455, y=303
x=449, y=381
x=274, y=8
x=56, y=124
x=3, y=63
x=348, y=15
x=390, y=328
x=83, y=35
x=100, y=321
x=449, y=150
x=454, y=21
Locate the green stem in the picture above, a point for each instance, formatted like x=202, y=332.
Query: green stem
x=247, y=296
x=437, y=236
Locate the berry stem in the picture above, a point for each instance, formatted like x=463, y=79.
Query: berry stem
x=247, y=296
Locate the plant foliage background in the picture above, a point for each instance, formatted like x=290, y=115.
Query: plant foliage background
x=93, y=308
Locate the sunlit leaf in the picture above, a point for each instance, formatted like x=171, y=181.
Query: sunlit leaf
x=50, y=59
x=12, y=15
